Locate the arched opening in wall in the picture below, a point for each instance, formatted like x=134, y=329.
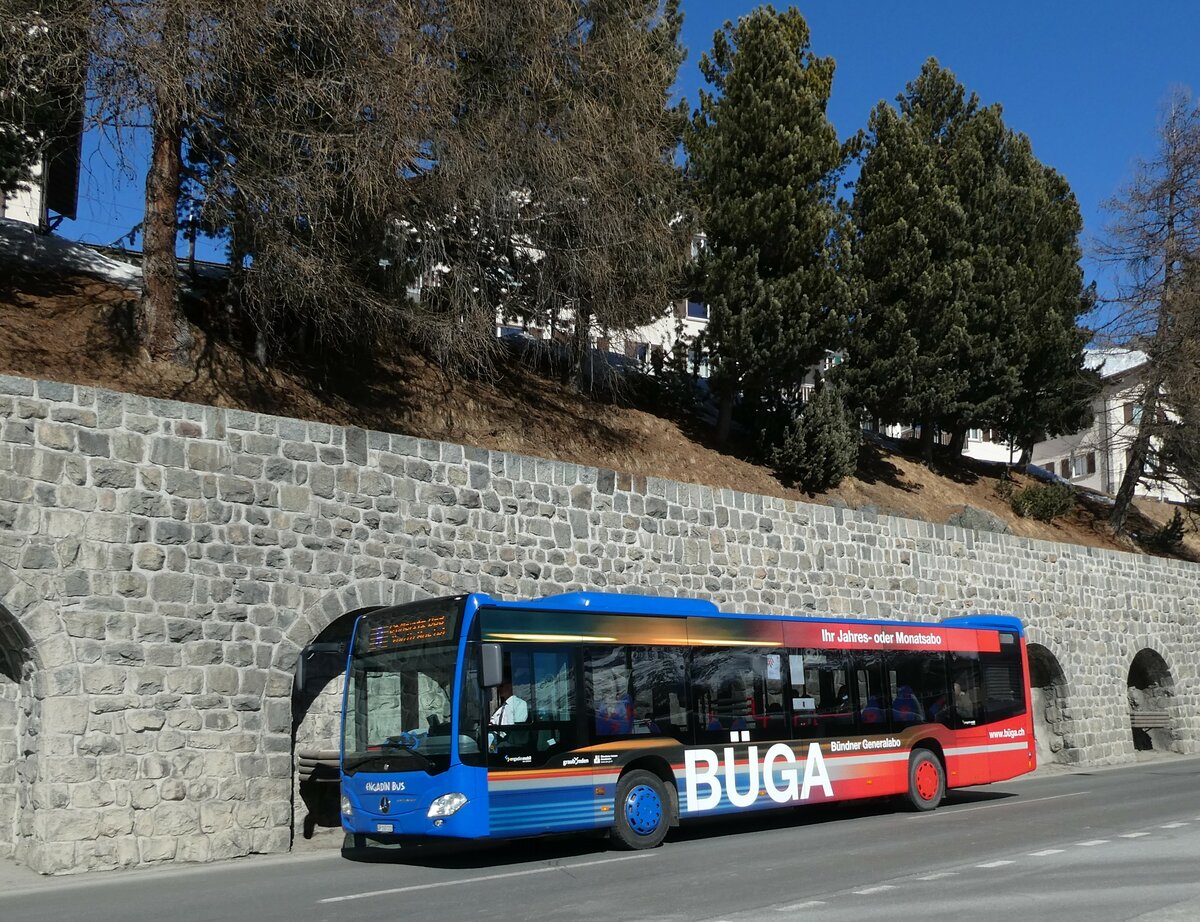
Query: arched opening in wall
x=1151, y=693
x=316, y=710
x=16, y=742
x=1052, y=729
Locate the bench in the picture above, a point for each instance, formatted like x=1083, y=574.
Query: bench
x=1150, y=719
x=319, y=771
x=317, y=764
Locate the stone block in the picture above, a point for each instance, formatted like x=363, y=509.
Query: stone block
x=67, y=716
x=142, y=720
x=115, y=475
x=157, y=848
x=207, y=456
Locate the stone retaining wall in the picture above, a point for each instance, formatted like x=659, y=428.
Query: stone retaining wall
x=163, y=564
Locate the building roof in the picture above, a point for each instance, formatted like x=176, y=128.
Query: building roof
x=1113, y=362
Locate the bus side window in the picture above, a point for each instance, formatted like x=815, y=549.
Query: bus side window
x=820, y=694
x=917, y=682
x=659, y=692
x=873, y=699
x=472, y=744
x=610, y=698
x=1003, y=681
x=544, y=680
x=736, y=690
x=965, y=690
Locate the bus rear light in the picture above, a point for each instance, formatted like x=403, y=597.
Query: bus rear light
x=447, y=805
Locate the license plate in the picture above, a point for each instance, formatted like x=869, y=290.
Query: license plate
x=383, y=827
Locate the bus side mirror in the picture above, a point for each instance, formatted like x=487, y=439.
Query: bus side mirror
x=491, y=669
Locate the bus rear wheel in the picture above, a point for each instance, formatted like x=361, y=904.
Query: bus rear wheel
x=642, y=811
x=926, y=780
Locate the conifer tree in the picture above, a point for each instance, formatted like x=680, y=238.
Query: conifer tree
x=968, y=248
x=908, y=337
x=820, y=448
x=1055, y=391
x=764, y=162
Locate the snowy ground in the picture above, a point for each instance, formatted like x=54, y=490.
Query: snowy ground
x=22, y=245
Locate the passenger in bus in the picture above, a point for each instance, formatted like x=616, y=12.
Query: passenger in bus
x=615, y=718
x=733, y=704
x=963, y=701
x=872, y=713
x=905, y=707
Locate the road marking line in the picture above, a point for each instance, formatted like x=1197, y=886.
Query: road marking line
x=809, y=904
x=939, y=875
x=1171, y=825
x=1133, y=835
x=878, y=889
x=994, y=864
x=1045, y=852
x=475, y=880
x=954, y=811
x=1090, y=842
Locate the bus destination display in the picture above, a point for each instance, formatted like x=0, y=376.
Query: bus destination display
x=409, y=631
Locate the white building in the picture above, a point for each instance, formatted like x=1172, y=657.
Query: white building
x=1097, y=456
x=681, y=322
x=53, y=192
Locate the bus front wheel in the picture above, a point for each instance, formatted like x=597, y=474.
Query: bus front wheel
x=643, y=811
x=926, y=780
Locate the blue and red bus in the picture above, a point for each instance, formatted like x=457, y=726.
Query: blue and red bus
x=471, y=717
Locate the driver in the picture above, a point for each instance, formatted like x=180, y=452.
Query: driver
x=512, y=710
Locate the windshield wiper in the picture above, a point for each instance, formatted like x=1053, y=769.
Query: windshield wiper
x=404, y=742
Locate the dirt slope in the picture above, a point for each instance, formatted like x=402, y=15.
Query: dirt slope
x=68, y=327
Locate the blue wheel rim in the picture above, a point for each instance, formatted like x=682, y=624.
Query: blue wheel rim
x=643, y=809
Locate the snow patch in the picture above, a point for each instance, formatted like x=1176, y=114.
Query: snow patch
x=1112, y=362
x=22, y=245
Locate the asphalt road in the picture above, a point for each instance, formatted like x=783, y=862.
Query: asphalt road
x=1107, y=844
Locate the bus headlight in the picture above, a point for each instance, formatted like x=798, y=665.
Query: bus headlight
x=447, y=805
x=347, y=807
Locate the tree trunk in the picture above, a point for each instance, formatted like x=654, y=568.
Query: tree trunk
x=1137, y=459
x=724, y=415
x=581, y=349
x=958, y=441
x=927, y=441
x=159, y=321
x=1026, y=457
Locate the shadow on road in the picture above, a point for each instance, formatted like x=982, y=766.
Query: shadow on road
x=458, y=855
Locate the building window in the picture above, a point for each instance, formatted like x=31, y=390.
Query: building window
x=974, y=435
x=1133, y=413
x=1064, y=468
x=1082, y=465
x=697, y=310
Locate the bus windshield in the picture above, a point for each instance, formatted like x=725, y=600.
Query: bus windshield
x=400, y=689
x=398, y=708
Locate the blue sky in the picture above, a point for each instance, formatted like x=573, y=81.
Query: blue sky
x=1084, y=80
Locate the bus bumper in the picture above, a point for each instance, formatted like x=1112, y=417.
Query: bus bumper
x=415, y=804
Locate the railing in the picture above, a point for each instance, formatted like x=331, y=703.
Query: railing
x=1150, y=719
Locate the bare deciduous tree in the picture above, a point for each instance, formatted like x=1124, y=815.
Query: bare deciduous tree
x=1155, y=228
